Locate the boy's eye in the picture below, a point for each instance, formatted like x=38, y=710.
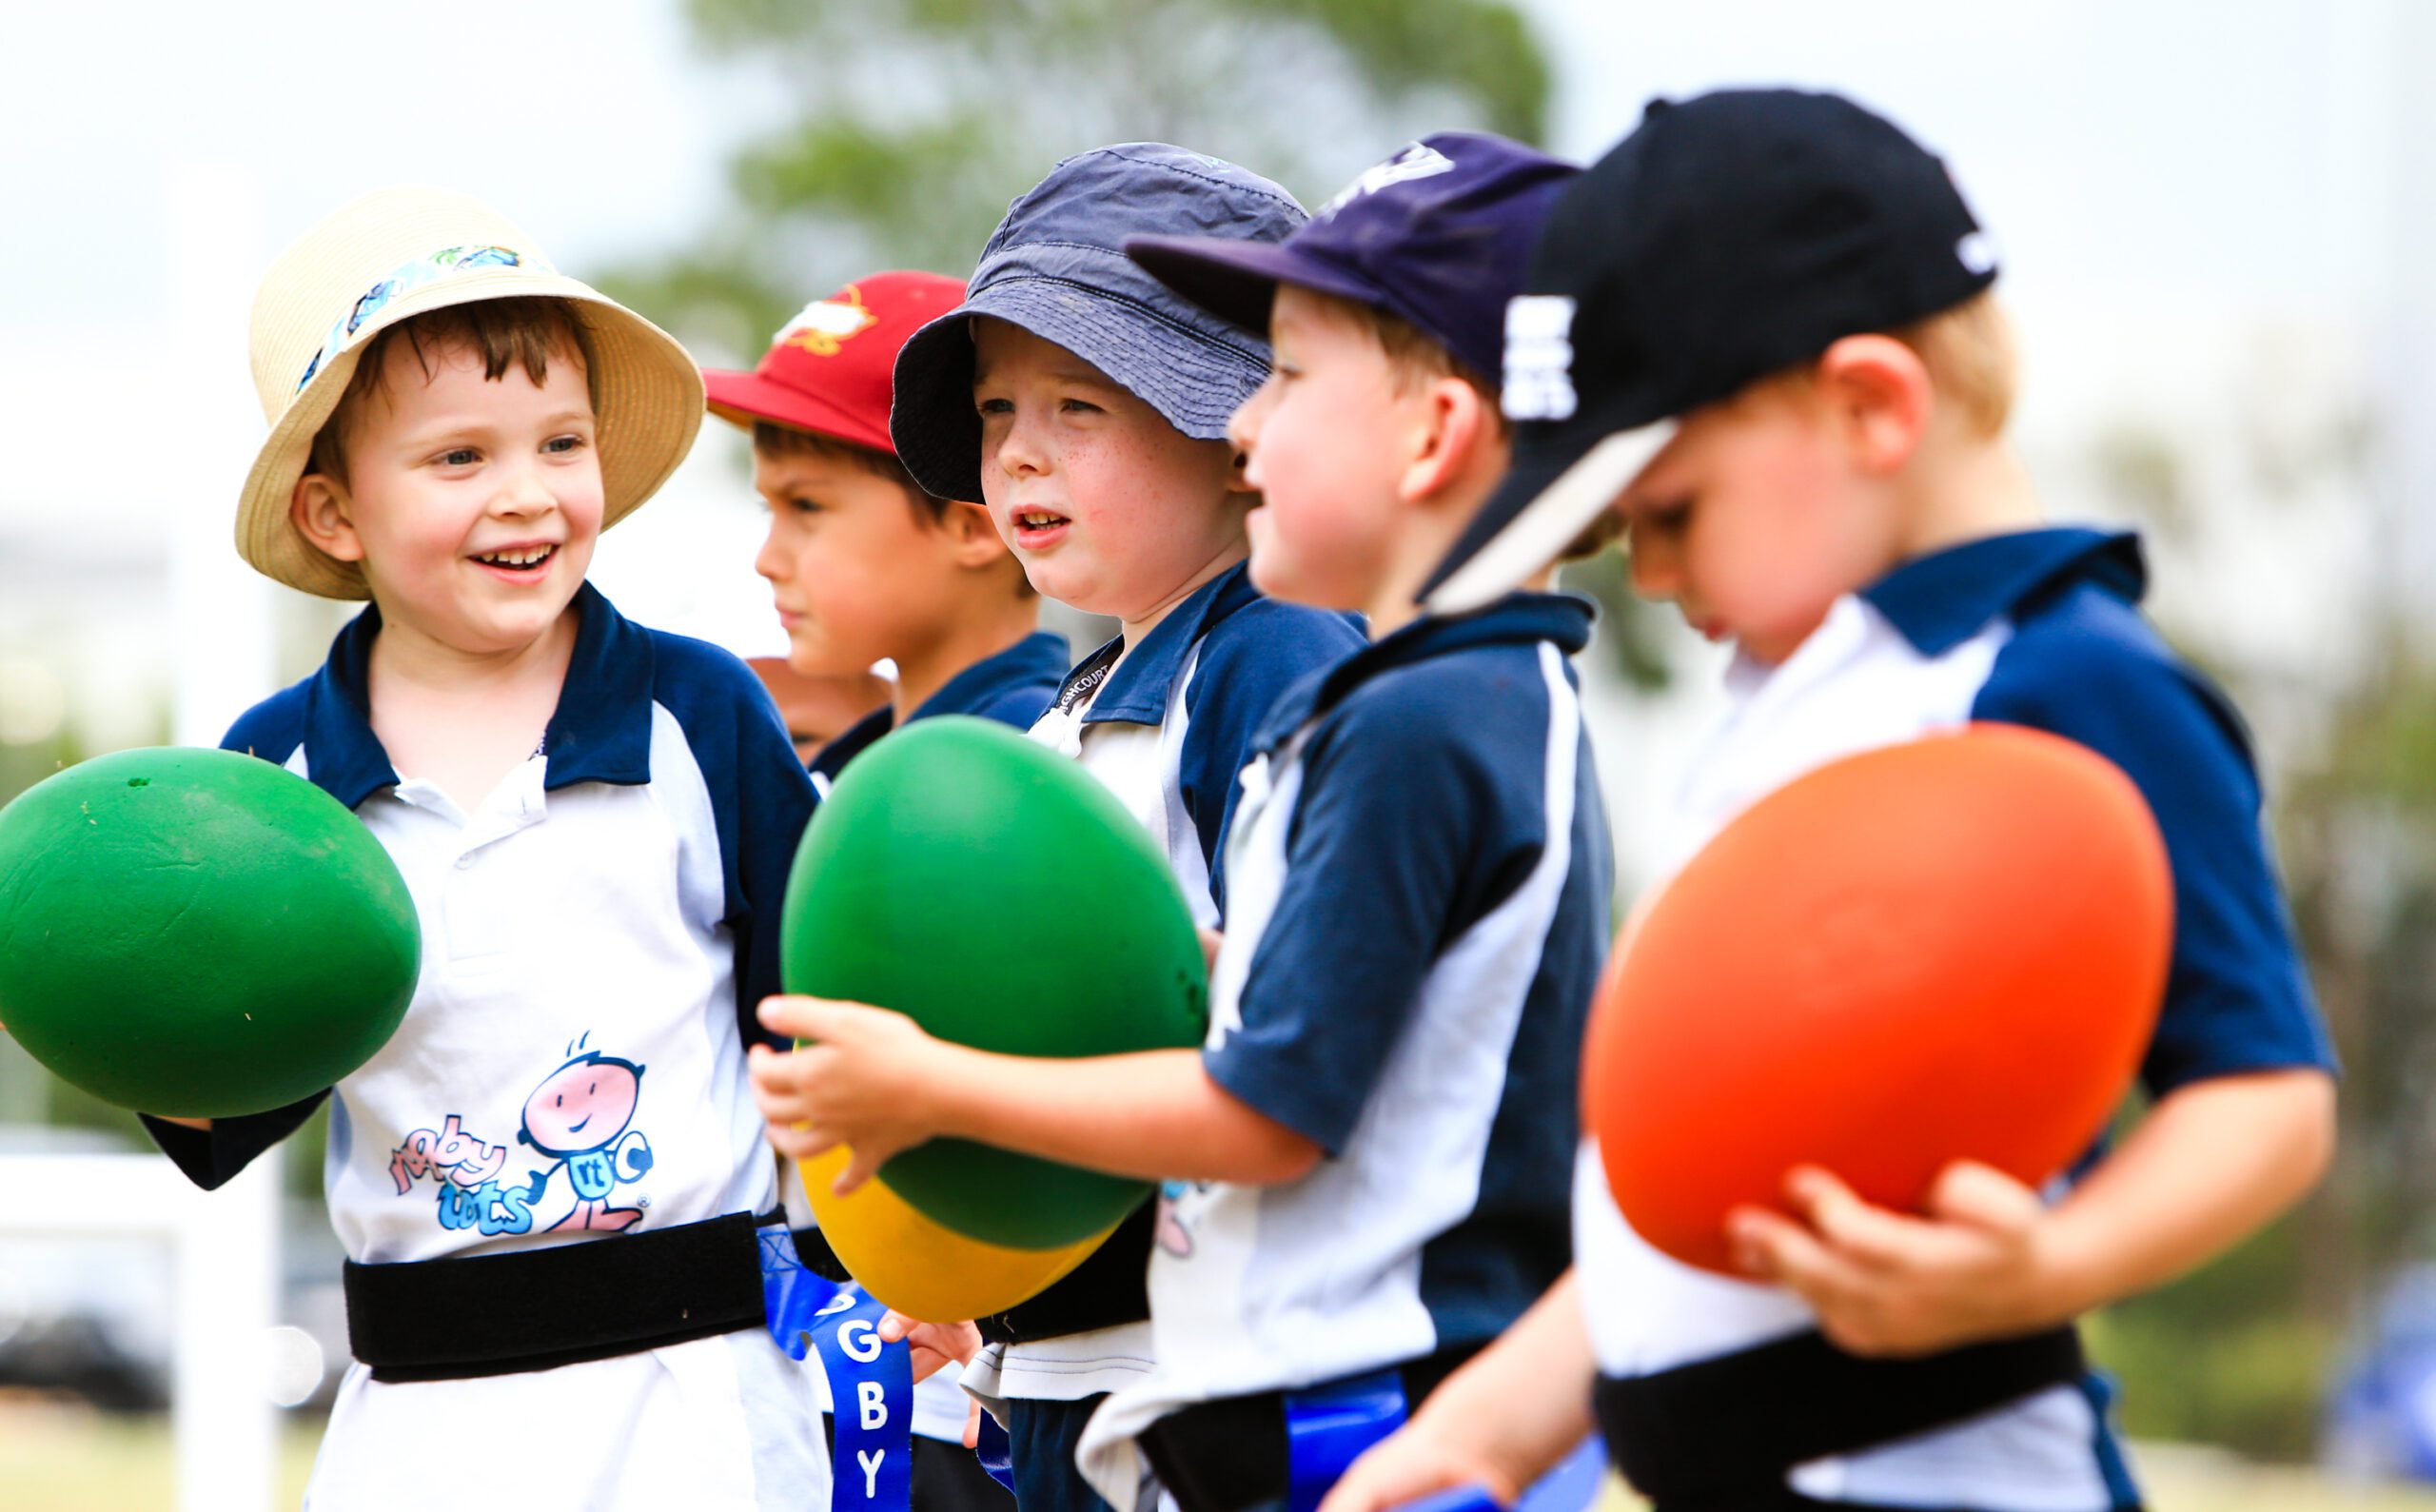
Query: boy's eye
x=563, y=444
x=1079, y=407
x=460, y=456
x=1658, y=521
x=804, y=507
x=996, y=406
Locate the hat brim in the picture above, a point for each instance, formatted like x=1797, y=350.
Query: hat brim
x=1236, y=280
x=647, y=403
x=1539, y=510
x=1194, y=383
x=743, y=399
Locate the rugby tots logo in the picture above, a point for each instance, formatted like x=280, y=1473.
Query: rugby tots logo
x=825, y=324
x=1539, y=357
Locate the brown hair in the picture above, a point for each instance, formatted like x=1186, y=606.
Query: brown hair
x=521, y=331
x=775, y=440
x=786, y=441
x=1415, y=358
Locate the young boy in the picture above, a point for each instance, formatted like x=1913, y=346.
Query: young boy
x=865, y=565
x=1087, y=407
x=1374, y=1148
x=1803, y=427
x=547, y=1180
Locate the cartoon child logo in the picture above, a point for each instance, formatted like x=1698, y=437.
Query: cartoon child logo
x=579, y=1115
x=825, y=324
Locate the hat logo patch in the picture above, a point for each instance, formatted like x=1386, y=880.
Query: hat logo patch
x=1539, y=357
x=1977, y=252
x=1418, y=161
x=825, y=324
x=407, y=277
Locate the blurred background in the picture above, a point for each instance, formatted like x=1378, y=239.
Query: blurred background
x=2212, y=215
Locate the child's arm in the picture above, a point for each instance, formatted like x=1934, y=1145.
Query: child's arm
x=1500, y=1423
x=2213, y=1162
x=876, y=1082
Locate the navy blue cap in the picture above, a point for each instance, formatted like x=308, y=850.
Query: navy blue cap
x=1439, y=235
x=1729, y=237
x=1055, y=267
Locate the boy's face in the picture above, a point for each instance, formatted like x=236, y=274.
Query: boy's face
x=1327, y=437
x=1754, y=520
x=1108, y=506
x=856, y=575
x=473, y=504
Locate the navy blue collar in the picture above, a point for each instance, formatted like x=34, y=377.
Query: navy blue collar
x=1041, y=656
x=600, y=733
x=1136, y=691
x=1942, y=599
x=1519, y=619
x=1038, y=657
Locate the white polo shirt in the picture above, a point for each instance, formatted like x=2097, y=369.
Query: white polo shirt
x=1167, y=725
x=596, y=931
x=2038, y=629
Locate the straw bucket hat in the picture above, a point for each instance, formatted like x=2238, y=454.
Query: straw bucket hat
x=399, y=252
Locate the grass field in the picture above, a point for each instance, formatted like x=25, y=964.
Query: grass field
x=65, y=1458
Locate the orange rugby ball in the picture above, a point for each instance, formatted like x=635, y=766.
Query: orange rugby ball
x=1951, y=949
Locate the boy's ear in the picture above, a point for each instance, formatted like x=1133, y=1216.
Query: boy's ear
x=973, y=537
x=1455, y=427
x=322, y=510
x=1879, y=397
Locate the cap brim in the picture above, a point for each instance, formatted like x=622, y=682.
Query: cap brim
x=1194, y=381
x=745, y=398
x=1543, y=503
x=1236, y=280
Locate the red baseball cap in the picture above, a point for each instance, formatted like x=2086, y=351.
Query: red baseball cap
x=828, y=370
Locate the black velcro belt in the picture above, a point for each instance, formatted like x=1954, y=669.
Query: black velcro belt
x=1234, y=1454
x=1113, y=1286
x=493, y=1315
x=819, y=1256
x=1710, y=1433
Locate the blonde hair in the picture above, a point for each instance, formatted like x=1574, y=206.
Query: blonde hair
x=1969, y=352
x=521, y=331
x=1415, y=358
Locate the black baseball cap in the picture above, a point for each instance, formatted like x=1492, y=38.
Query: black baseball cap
x=1729, y=237
x=1439, y=235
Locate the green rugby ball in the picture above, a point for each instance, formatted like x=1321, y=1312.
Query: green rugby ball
x=198, y=933
x=999, y=895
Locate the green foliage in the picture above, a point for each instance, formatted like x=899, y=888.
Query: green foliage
x=2226, y=1355
x=915, y=120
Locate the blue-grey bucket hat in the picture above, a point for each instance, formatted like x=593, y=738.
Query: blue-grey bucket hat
x=1056, y=266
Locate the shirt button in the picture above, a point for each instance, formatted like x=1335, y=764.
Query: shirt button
x=466, y=862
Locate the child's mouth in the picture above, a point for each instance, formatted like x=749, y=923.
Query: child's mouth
x=521, y=563
x=1035, y=528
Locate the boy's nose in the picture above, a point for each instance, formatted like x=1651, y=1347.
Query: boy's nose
x=1656, y=573
x=1244, y=427
x=1019, y=453
x=523, y=492
x=770, y=561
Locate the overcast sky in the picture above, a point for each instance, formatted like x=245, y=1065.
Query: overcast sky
x=2211, y=163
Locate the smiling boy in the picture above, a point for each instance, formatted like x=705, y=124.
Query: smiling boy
x=547, y=1180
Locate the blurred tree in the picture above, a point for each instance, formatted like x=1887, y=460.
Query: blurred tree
x=917, y=120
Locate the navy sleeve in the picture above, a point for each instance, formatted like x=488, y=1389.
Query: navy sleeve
x=2089, y=668
x=761, y=798
x=1414, y=822
x=271, y=729
x=1247, y=660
